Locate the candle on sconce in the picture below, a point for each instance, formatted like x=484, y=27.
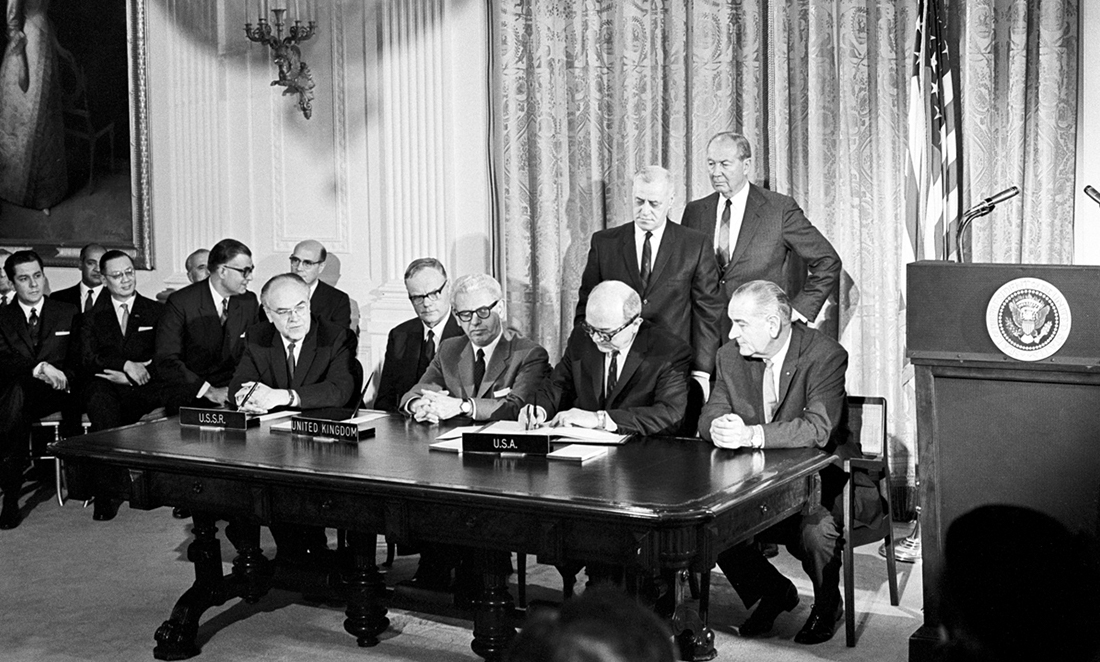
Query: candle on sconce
x=297, y=11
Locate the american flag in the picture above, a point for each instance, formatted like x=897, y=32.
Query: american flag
x=933, y=174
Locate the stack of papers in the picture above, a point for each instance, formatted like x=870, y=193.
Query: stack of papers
x=574, y=435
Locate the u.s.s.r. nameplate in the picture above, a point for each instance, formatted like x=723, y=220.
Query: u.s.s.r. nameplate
x=217, y=418
x=338, y=430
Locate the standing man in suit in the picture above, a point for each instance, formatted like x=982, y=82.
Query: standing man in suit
x=7, y=292
x=619, y=373
x=201, y=335
x=412, y=345
x=294, y=360
x=488, y=373
x=757, y=233
x=37, y=367
x=325, y=301
x=196, y=265
x=781, y=385
x=670, y=266
x=89, y=291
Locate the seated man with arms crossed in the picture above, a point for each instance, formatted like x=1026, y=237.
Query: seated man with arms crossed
x=117, y=349
x=619, y=373
x=295, y=360
x=486, y=374
x=781, y=385
x=36, y=361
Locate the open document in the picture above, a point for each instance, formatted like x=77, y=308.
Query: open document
x=570, y=434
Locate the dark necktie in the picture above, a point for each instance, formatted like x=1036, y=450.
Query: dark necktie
x=88, y=303
x=612, y=377
x=479, y=370
x=123, y=318
x=647, y=259
x=724, y=237
x=427, y=353
x=290, y=365
x=225, y=311
x=32, y=326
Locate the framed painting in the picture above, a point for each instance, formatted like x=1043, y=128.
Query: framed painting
x=74, y=148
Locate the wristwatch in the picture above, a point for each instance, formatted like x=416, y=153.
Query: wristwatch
x=601, y=417
x=467, y=407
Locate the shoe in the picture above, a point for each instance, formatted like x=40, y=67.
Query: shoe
x=105, y=509
x=770, y=550
x=821, y=625
x=10, y=517
x=763, y=617
x=181, y=513
x=426, y=583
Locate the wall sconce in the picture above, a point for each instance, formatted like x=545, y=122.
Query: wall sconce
x=294, y=73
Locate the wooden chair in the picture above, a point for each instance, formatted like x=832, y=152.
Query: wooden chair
x=867, y=423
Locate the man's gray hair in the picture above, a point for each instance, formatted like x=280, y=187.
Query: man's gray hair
x=767, y=297
x=474, y=283
x=744, y=147
x=655, y=173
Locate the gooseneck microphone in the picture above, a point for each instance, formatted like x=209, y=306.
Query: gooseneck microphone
x=1093, y=193
x=981, y=209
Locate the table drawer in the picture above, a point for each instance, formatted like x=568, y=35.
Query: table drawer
x=469, y=525
x=761, y=512
x=217, y=495
x=328, y=508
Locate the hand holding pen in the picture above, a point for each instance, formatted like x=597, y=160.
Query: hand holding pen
x=532, y=416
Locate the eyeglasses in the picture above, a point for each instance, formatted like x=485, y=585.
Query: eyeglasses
x=308, y=264
x=246, y=272
x=418, y=299
x=119, y=275
x=482, y=313
x=600, y=335
x=299, y=311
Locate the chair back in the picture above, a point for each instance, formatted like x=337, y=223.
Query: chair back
x=867, y=425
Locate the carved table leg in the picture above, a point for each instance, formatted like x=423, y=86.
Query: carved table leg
x=252, y=571
x=366, y=615
x=693, y=633
x=176, y=636
x=493, y=629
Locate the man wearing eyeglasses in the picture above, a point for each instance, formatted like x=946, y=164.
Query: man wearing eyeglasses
x=619, y=373
x=201, y=335
x=325, y=301
x=412, y=345
x=486, y=375
x=118, y=346
x=36, y=361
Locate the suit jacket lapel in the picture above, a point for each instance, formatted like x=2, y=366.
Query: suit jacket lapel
x=668, y=245
x=632, y=360
x=592, y=356
x=710, y=214
x=466, y=371
x=305, y=358
x=629, y=253
x=790, y=365
x=500, y=358
x=21, y=329
x=749, y=226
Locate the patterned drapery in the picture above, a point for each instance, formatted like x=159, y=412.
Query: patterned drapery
x=592, y=90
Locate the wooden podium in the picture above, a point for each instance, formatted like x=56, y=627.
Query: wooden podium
x=996, y=429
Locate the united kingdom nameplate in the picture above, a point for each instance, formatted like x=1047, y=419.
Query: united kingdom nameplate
x=1028, y=319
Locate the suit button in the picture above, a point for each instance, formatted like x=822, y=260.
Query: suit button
x=723, y=281
x=645, y=302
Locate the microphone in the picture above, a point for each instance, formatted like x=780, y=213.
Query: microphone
x=1093, y=193
x=994, y=200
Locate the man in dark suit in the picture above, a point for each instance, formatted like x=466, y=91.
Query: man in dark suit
x=781, y=385
x=295, y=360
x=325, y=301
x=670, y=266
x=619, y=372
x=7, y=292
x=759, y=234
x=37, y=367
x=89, y=292
x=196, y=265
x=487, y=374
x=412, y=345
x=201, y=334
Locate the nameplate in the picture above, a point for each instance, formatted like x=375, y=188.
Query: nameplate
x=217, y=418
x=490, y=442
x=338, y=430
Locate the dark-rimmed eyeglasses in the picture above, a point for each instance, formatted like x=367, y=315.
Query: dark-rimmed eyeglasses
x=600, y=335
x=246, y=272
x=301, y=311
x=418, y=299
x=482, y=313
x=307, y=264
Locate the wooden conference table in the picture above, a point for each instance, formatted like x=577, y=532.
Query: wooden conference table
x=651, y=505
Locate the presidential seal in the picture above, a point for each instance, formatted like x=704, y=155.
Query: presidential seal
x=1028, y=319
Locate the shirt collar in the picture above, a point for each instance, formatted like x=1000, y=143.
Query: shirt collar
x=488, y=349
x=639, y=234
x=438, y=328
x=129, y=303
x=84, y=289
x=780, y=357
x=738, y=199
x=27, y=309
x=313, y=288
x=218, y=298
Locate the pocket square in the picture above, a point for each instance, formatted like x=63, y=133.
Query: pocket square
x=502, y=392
x=242, y=335
x=145, y=328
x=61, y=333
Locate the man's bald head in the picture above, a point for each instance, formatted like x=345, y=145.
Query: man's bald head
x=286, y=300
x=308, y=260
x=196, y=265
x=611, y=303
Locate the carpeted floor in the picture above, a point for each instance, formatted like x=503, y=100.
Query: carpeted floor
x=75, y=589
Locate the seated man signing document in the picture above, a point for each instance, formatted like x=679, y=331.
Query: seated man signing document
x=295, y=360
x=487, y=373
x=620, y=373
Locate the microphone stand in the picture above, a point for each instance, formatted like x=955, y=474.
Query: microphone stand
x=968, y=218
